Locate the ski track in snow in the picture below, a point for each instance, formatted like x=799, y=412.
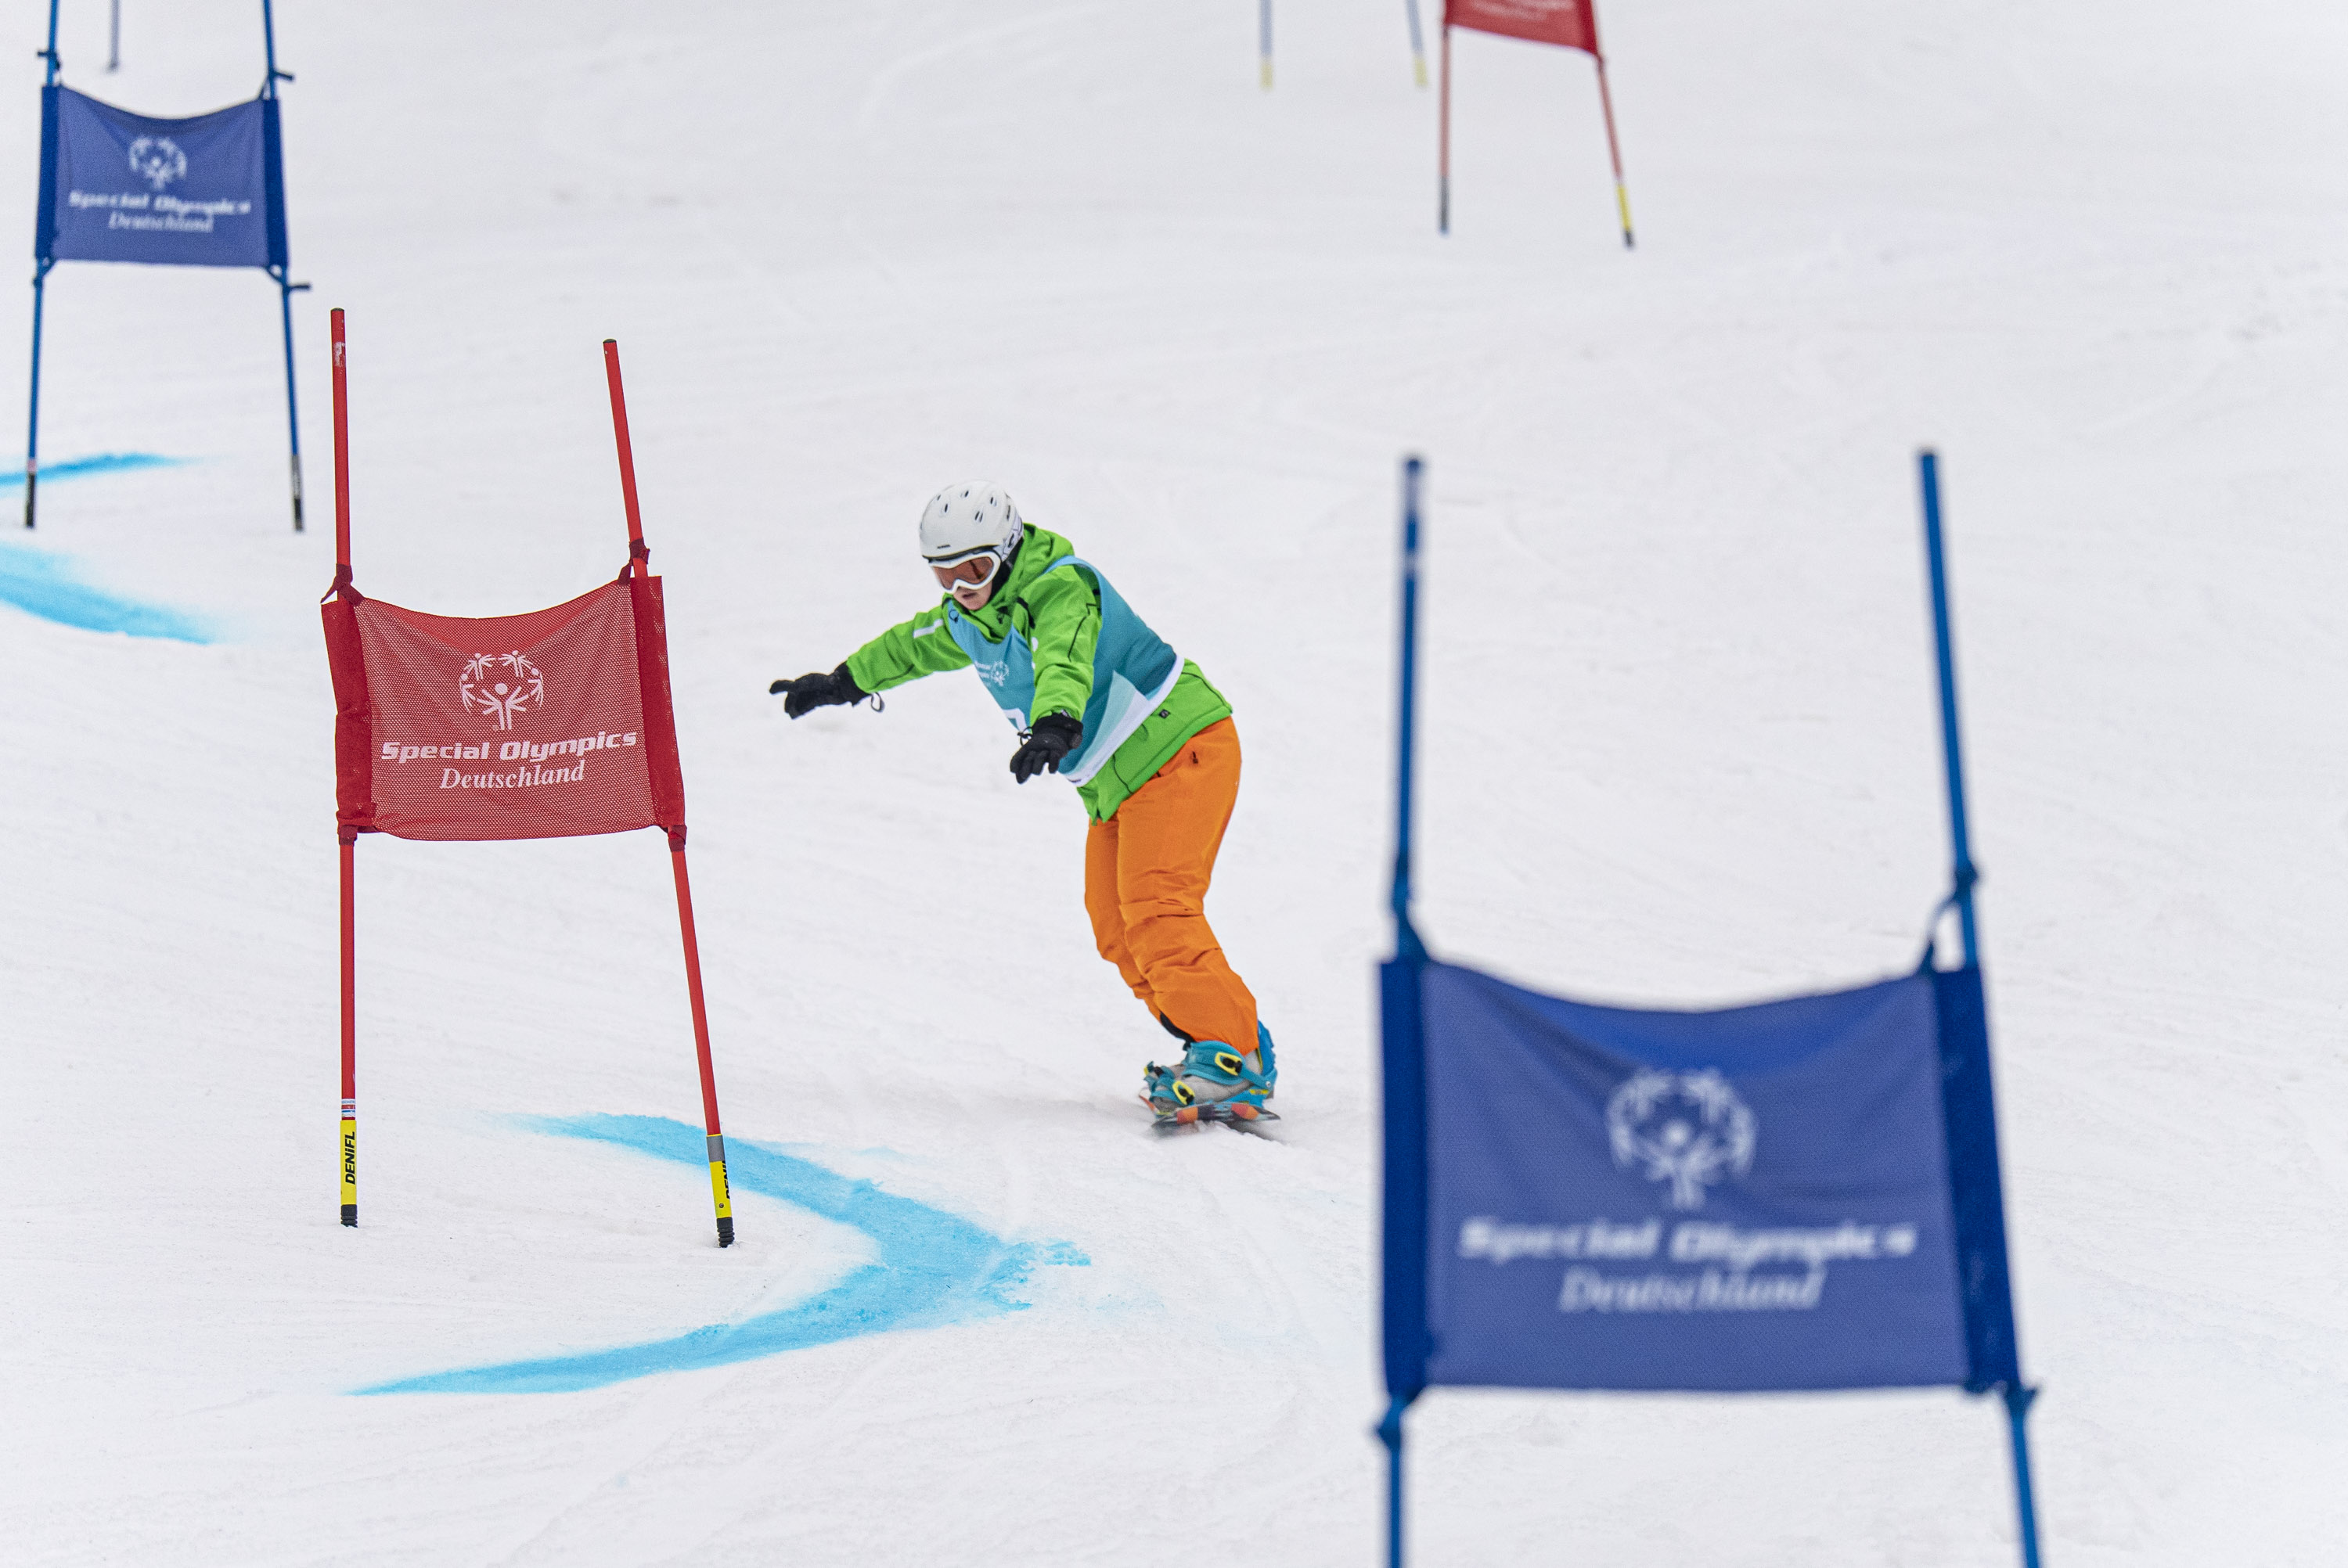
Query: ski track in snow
x=932, y=1269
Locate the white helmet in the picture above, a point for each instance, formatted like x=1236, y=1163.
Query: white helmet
x=963, y=520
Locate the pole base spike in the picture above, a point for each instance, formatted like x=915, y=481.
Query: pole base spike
x=351, y=1214
x=725, y=1232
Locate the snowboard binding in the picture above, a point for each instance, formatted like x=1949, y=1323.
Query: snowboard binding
x=1212, y=1082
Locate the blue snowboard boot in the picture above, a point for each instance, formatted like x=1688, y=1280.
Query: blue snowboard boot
x=1212, y=1082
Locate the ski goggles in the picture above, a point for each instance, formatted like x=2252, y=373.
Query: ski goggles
x=970, y=571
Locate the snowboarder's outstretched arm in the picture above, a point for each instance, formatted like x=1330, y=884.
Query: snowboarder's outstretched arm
x=904, y=653
x=907, y=652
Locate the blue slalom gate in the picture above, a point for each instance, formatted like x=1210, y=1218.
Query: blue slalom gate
x=1798, y=1194
x=207, y=191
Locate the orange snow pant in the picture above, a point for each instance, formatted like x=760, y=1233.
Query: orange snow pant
x=1145, y=874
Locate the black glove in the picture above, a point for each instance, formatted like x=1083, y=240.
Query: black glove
x=809, y=692
x=1052, y=736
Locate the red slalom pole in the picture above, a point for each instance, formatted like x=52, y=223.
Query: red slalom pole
x=349, y=836
x=342, y=458
x=1443, y=157
x=639, y=556
x=350, y=1142
x=636, y=549
x=1614, y=152
x=720, y=1190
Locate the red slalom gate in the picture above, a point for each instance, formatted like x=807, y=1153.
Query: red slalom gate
x=1569, y=24
x=544, y=725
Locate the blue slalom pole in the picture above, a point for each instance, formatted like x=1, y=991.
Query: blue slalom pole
x=40, y=278
x=1407, y=942
x=2018, y=1394
x=1928, y=466
x=286, y=288
x=1409, y=950
x=33, y=419
x=292, y=410
x=269, y=48
x=1264, y=13
x=2018, y=1399
x=1417, y=43
x=1390, y=1434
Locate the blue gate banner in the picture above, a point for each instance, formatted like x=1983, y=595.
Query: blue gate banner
x=1797, y=1194
x=119, y=186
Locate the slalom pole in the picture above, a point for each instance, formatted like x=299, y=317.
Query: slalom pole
x=1442, y=155
x=1963, y=875
x=637, y=550
x=1418, y=44
x=2019, y=1396
x=350, y=1138
x=720, y=1190
x=293, y=409
x=40, y=278
x=33, y=420
x=286, y=287
x=1614, y=152
x=1402, y=1061
x=114, y=36
x=1390, y=1434
x=1407, y=943
x=639, y=555
x=342, y=456
x=1263, y=8
x=348, y=835
x=2018, y=1401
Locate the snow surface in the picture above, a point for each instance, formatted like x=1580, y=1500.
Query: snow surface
x=1680, y=734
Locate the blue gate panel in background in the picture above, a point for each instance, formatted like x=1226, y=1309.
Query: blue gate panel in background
x=1759, y=1197
x=121, y=187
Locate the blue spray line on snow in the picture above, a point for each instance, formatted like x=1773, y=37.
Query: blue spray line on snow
x=46, y=585
x=104, y=462
x=933, y=1268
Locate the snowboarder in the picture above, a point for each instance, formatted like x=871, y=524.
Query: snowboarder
x=1097, y=698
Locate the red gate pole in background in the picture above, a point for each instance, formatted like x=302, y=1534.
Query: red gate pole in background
x=1569, y=24
x=348, y=835
x=639, y=554
x=1613, y=147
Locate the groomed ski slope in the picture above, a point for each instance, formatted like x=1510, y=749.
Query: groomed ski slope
x=1679, y=749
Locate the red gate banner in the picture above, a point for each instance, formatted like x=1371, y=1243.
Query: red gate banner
x=545, y=725
x=1572, y=23
x=542, y=726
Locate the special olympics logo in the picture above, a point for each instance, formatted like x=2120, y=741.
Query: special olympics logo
x=158, y=160
x=499, y=686
x=1689, y=1129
